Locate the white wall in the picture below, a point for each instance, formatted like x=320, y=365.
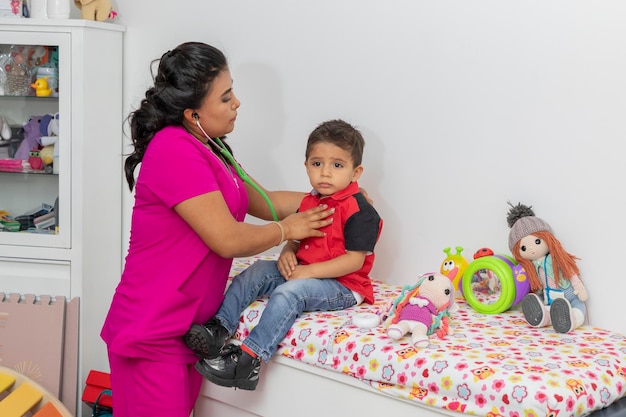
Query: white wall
x=464, y=105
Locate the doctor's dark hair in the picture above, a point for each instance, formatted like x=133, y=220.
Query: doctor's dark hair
x=341, y=134
x=184, y=77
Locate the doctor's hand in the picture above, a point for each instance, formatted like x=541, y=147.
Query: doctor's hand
x=298, y=226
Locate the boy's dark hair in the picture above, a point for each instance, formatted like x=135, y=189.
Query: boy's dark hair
x=341, y=134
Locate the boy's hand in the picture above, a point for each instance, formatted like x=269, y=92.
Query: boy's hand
x=287, y=263
x=299, y=272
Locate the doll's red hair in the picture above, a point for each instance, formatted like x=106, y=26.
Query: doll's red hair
x=563, y=263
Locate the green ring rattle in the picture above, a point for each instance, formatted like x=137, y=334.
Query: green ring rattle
x=513, y=282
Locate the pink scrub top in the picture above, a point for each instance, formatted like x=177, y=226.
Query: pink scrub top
x=171, y=278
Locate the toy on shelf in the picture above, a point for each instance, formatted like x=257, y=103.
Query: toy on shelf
x=422, y=310
x=8, y=223
x=11, y=165
x=5, y=129
x=98, y=10
x=493, y=283
x=34, y=159
x=41, y=217
x=38, y=55
x=32, y=138
x=17, y=72
x=23, y=66
x=558, y=294
x=50, y=151
x=41, y=87
x=47, y=154
x=4, y=60
x=34, y=129
x=454, y=265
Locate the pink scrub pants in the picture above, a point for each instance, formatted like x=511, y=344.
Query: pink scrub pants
x=144, y=388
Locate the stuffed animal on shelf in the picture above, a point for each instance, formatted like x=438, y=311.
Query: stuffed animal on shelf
x=557, y=294
x=32, y=138
x=98, y=10
x=422, y=309
x=47, y=154
x=34, y=129
x=34, y=159
x=5, y=129
x=50, y=143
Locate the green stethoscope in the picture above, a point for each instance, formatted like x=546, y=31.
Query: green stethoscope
x=219, y=145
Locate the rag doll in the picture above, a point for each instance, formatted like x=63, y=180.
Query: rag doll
x=557, y=294
x=422, y=309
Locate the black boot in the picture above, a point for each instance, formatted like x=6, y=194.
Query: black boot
x=534, y=311
x=206, y=340
x=233, y=368
x=562, y=316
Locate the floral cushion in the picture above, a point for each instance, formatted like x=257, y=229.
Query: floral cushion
x=489, y=364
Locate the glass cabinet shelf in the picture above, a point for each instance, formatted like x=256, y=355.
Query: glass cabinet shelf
x=81, y=255
x=25, y=171
x=35, y=160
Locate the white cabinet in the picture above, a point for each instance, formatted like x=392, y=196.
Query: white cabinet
x=82, y=258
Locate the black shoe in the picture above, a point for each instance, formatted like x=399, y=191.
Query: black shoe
x=233, y=368
x=533, y=310
x=562, y=316
x=206, y=340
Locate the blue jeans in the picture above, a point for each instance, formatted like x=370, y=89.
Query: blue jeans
x=568, y=293
x=287, y=300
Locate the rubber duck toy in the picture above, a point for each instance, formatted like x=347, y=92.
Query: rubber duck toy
x=41, y=87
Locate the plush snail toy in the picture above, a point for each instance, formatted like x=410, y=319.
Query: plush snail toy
x=557, y=294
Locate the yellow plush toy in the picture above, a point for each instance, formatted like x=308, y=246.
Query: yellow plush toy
x=98, y=10
x=47, y=154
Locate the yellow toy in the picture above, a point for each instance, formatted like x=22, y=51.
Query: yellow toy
x=453, y=266
x=98, y=10
x=41, y=87
x=47, y=154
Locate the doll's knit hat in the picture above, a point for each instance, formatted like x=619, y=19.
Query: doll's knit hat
x=523, y=222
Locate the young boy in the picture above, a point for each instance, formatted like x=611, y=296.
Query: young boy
x=316, y=274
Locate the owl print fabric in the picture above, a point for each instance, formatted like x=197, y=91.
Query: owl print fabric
x=489, y=365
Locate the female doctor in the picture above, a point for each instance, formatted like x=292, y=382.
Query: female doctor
x=187, y=225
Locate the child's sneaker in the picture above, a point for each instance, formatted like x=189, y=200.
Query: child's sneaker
x=206, y=340
x=534, y=311
x=562, y=316
x=233, y=368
